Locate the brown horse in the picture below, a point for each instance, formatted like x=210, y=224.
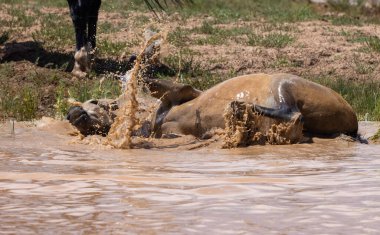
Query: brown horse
x=278, y=98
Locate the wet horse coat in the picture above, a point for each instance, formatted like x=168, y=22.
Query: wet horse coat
x=278, y=97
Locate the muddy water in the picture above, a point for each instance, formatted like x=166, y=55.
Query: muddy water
x=49, y=185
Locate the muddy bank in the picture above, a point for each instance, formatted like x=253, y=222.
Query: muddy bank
x=48, y=131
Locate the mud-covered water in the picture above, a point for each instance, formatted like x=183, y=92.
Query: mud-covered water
x=49, y=185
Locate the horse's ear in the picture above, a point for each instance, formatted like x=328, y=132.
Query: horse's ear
x=161, y=4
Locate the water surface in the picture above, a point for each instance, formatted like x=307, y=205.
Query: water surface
x=51, y=186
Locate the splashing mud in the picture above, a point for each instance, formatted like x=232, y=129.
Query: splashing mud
x=245, y=127
x=120, y=134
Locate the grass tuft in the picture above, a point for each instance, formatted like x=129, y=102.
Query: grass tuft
x=373, y=42
x=364, y=97
x=275, y=40
x=4, y=37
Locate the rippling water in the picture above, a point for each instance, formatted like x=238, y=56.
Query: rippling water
x=49, y=186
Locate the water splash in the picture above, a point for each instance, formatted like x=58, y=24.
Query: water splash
x=120, y=134
x=246, y=127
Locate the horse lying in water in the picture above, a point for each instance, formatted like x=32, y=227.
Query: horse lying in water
x=275, y=100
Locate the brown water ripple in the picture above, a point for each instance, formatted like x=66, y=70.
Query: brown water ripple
x=60, y=188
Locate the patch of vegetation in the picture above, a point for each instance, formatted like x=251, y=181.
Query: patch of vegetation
x=341, y=5
x=289, y=12
x=376, y=136
x=56, y=32
x=61, y=104
x=47, y=3
x=4, y=37
x=355, y=36
x=280, y=62
x=20, y=104
x=83, y=90
x=352, y=14
x=346, y=20
x=217, y=35
x=270, y=10
x=108, y=48
x=178, y=37
x=20, y=17
x=268, y=27
x=206, y=81
x=45, y=92
x=362, y=67
x=122, y=6
x=275, y=40
x=107, y=27
x=94, y=89
x=183, y=63
x=364, y=97
x=373, y=42
x=190, y=71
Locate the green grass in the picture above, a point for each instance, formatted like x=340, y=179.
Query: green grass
x=376, y=136
x=47, y=3
x=84, y=90
x=270, y=10
x=346, y=20
x=347, y=14
x=373, y=42
x=19, y=104
x=213, y=35
x=363, y=67
x=108, y=48
x=284, y=62
x=355, y=36
x=22, y=97
x=56, y=32
x=21, y=18
x=190, y=71
x=364, y=97
x=179, y=37
x=4, y=37
x=275, y=40
x=184, y=63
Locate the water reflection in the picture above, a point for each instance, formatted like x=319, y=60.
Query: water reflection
x=51, y=186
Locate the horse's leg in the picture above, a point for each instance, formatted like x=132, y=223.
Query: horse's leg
x=77, y=13
x=289, y=121
x=284, y=112
x=171, y=92
x=78, y=16
x=92, y=22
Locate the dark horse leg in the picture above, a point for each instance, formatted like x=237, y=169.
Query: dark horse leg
x=284, y=112
x=92, y=22
x=84, y=14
